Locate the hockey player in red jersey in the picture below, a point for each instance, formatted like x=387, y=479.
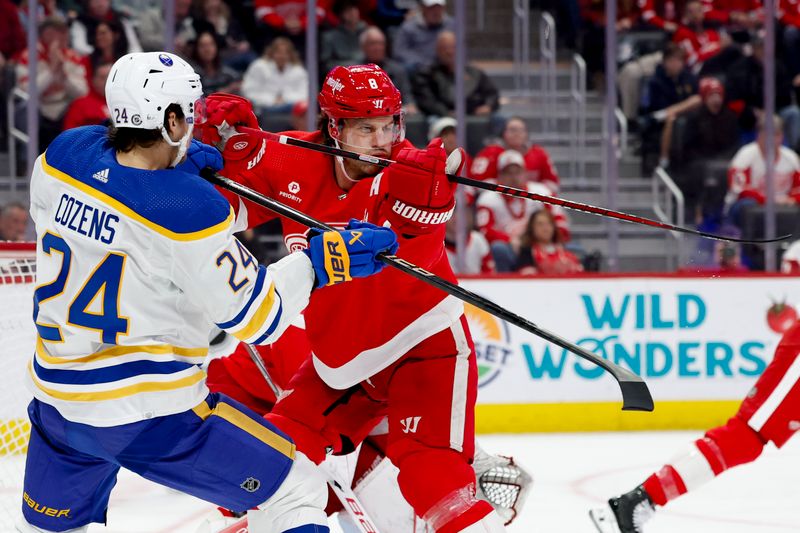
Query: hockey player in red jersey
x=397, y=347
x=769, y=413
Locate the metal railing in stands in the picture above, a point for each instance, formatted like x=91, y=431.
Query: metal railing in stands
x=622, y=139
x=15, y=135
x=674, y=202
x=577, y=79
x=547, y=56
x=521, y=27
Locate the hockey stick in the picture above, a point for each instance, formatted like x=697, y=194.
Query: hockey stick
x=509, y=191
x=342, y=490
x=635, y=394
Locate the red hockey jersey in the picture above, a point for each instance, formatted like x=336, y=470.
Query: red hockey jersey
x=537, y=164
x=358, y=328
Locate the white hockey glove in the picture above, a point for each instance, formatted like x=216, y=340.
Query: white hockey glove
x=501, y=482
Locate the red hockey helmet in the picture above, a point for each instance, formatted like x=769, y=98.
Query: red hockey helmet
x=360, y=91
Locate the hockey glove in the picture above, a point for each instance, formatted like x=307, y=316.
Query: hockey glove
x=339, y=256
x=200, y=156
x=222, y=109
x=420, y=195
x=224, y=114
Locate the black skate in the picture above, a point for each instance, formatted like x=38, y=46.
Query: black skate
x=625, y=514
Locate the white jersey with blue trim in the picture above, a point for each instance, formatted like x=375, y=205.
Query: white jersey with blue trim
x=134, y=268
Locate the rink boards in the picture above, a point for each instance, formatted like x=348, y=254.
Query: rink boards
x=699, y=342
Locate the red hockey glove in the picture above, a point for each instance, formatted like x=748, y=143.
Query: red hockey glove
x=224, y=108
x=420, y=195
x=224, y=113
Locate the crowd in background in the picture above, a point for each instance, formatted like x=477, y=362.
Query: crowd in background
x=258, y=52
x=690, y=83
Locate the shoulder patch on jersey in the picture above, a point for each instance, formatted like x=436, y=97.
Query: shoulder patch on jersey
x=176, y=204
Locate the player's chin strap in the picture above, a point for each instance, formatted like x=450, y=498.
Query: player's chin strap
x=501, y=482
x=340, y=162
x=182, y=144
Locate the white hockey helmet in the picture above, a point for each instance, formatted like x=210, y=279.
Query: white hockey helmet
x=141, y=86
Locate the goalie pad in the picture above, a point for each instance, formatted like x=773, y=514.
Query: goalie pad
x=501, y=482
x=380, y=495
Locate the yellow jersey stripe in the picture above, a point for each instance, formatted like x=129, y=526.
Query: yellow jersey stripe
x=122, y=392
x=202, y=410
x=130, y=213
x=259, y=317
x=262, y=433
x=115, y=351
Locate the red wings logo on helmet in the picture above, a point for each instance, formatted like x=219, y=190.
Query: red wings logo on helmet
x=334, y=84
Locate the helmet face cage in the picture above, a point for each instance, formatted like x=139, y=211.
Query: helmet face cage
x=398, y=128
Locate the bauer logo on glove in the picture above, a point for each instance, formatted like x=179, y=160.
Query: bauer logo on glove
x=339, y=256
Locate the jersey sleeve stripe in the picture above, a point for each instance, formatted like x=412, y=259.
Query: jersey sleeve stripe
x=195, y=355
x=272, y=327
x=259, y=317
x=121, y=392
x=262, y=274
x=107, y=374
x=130, y=213
x=244, y=422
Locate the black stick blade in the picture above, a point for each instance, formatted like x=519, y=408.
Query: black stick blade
x=636, y=396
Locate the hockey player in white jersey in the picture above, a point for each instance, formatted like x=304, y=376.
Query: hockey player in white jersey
x=136, y=259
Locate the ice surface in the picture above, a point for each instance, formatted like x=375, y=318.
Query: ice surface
x=572, y=473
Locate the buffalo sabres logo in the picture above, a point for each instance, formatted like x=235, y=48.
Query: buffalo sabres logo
x=250, y=484
x=165, y=60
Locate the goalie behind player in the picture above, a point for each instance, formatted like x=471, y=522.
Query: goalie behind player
x=409, y=355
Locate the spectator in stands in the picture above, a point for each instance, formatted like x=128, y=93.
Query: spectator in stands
x=340, y=45
x=12, y=43
x=502, y=218
x=538, y=166
x=288, y=18
x=235, y=49
x=434, y=85
x=789, y=18
x=207, y=62
x=540, y=249
x=44, y=10
x=110, y=43
x=90, y=109
x=373, y=48
x=12, y=34
x=388, y=15
x=671, y=92
x=593, y=19
x=698, y=41
x=13, y=222
x=61, y=77
x=737, y=17
x=445, y=128
x=790, y=262
x=711, y=136
x=83, y=30
x=416, y=41
x=746, y=175
x=663, y=16
x=277, y=80
x=298, y=118
x=151, y=28
x=745, y=89
x=477, y=254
